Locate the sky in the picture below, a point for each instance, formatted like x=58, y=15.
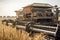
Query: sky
x=8, y=7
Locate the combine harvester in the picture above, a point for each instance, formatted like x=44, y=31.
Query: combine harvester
x=39, y=17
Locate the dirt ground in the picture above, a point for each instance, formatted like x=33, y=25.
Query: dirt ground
x=9, y=33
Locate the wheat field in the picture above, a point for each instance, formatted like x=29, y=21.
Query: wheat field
x=9, y=33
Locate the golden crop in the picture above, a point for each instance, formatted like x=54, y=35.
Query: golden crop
x=9, y=33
